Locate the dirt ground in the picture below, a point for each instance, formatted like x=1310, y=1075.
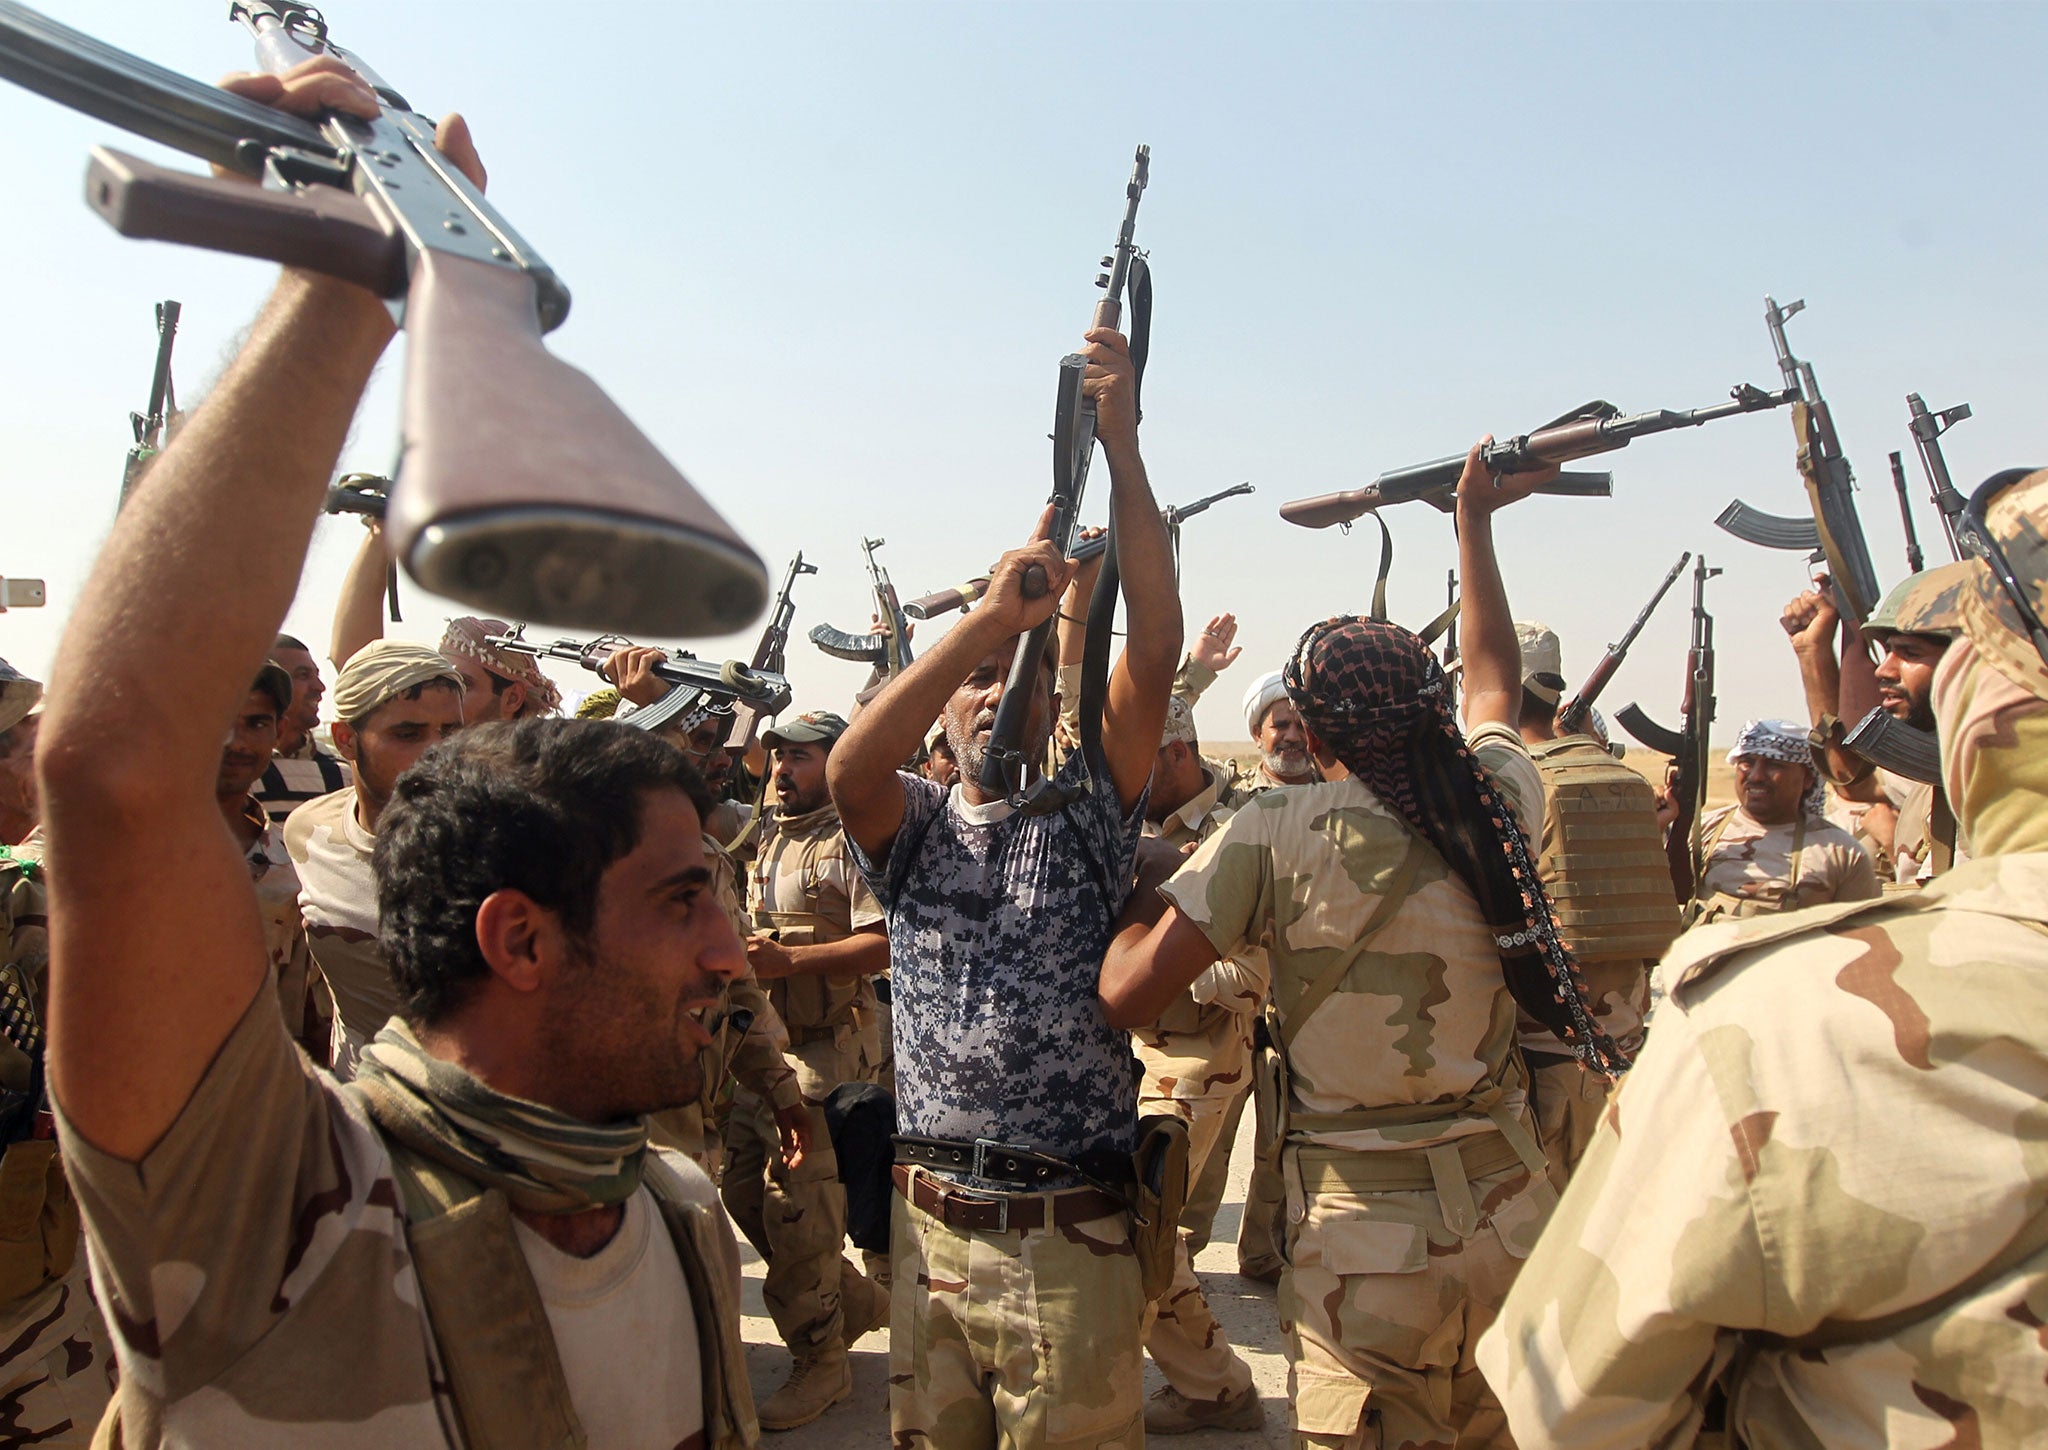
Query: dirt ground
x=1245, y=1309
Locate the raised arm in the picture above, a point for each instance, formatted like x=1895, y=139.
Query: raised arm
x=1486, y=629
x=1142, y=681
x=861, y=771
x=153, y=966
x=1812, y=622
x=359, y=612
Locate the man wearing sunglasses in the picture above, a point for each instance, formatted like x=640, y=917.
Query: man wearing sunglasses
x=1820, y=1208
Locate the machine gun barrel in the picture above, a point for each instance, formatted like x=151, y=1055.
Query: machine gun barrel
x=1572, y=718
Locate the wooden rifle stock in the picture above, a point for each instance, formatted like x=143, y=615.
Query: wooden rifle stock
x=1325, y=509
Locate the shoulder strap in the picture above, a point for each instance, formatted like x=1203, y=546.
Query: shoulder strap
x=694, y=1230
x=485, y=1310
x=1396, y=893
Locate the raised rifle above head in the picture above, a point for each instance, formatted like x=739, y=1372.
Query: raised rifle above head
x=152, y=429
x=1005, y=769
x=1585, y=432
x=1832, y=531
x=1687, y=746
x=1572, y=718
x=1928, y=425
x=367, y=495
x=701, y=687
x=886, y=648
x=524, y=491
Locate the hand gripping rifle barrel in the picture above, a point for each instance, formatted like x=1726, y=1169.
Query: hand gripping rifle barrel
x=1004, y=766
x=886, y=649
x=945, y=601
x=1572, y=718
x=368, y=496
x=1832, y=531
x=523, y=491
x=1928, y=426
x=1595, y=428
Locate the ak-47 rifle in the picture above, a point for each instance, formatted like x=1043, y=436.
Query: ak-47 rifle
x=945, y=601
x=886, y=649
x=151, y=427
x=1833, y=532
x=1571, y=720
x=770, y=655
x=1687, y=747
x=367, y=495
x=1928, y=426
x=525, y=491
x=1595, y=428
x=1900, y=748
x=1915, y=560
x=701, y=687
x=1005, y=767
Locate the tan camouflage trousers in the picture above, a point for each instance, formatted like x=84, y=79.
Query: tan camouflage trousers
x=1262, y=1231
x=1181, y=1332
x=795, y=1218
x=56, y=1367
x=1383, y=1304
x=1569, y=1101
x=1016, y=1340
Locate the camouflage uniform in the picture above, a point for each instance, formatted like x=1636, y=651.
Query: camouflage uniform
x=308, y=1015
x=338, y=898
x=1752, y=869
x=805, y=890
x=1603, y=864
x=55, y=1371
x=1414, y=1181
x=1197, y=1064
x=1839, y=1117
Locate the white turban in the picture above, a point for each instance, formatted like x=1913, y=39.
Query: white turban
x=1266, y=691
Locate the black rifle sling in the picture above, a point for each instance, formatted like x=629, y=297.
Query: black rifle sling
x=1140, y=285
x=1379, y=585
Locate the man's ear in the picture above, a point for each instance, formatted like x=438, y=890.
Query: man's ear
x=514, y=706
x=520, y=939
x=346, y=743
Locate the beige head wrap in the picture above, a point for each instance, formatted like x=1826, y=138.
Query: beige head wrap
x=384, y=670
x=469, y=637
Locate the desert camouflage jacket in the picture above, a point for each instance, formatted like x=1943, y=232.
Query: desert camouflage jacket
x=1824, y=1184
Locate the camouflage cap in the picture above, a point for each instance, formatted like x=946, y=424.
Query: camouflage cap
x=18, y=695
x=810, y=728
x=1923, y=603
x=1180, y=722
x=1542, y=660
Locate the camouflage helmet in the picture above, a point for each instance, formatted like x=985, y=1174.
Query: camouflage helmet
x=2017, y=522
x=1922, y=603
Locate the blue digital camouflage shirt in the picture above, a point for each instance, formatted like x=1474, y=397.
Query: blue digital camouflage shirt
x=997, y=927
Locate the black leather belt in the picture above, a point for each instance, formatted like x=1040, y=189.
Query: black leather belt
x=985, y=1158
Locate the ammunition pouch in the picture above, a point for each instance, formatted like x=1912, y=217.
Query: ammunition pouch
x=1158, y=1191
x=38, y=1219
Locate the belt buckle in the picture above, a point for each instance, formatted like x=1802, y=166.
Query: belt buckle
x=1002, y=1200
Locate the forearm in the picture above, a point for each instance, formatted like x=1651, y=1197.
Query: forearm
x=152, y=637
x=1821, y=678
x=1857, y=685
x=1486, y=630
x=861, y=955
x=359, y=612
x=1148, y=965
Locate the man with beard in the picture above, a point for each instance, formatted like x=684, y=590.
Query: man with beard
x=939, y=765
x=1922, y=830
x=471, y=1244
x=1773, y=850
x=817, y=939
x=1275, y=727
x=396, y=700
x=251, y=741
x=1818, y=1205
x=1018, y=1297
x=702, y=743
x=300, y=771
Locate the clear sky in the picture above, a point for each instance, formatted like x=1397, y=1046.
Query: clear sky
x=829, y=256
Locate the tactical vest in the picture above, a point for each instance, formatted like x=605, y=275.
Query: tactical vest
x=491, y=1327
x=812, y=1005
x=1603, y=859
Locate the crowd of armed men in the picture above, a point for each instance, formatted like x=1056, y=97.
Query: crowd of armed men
x=407, y=1092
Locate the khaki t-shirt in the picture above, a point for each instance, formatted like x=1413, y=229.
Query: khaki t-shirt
x=338, y=896
x=260, y=1292
x=1781, y=868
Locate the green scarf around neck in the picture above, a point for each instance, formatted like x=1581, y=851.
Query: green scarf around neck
x=542, y=1160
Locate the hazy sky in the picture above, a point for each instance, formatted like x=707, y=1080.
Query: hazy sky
x=829, y=257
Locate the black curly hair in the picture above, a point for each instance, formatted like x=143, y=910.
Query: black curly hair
x=540, y=806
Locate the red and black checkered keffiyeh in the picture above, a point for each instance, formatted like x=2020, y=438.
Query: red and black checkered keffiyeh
x=1378, y=700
